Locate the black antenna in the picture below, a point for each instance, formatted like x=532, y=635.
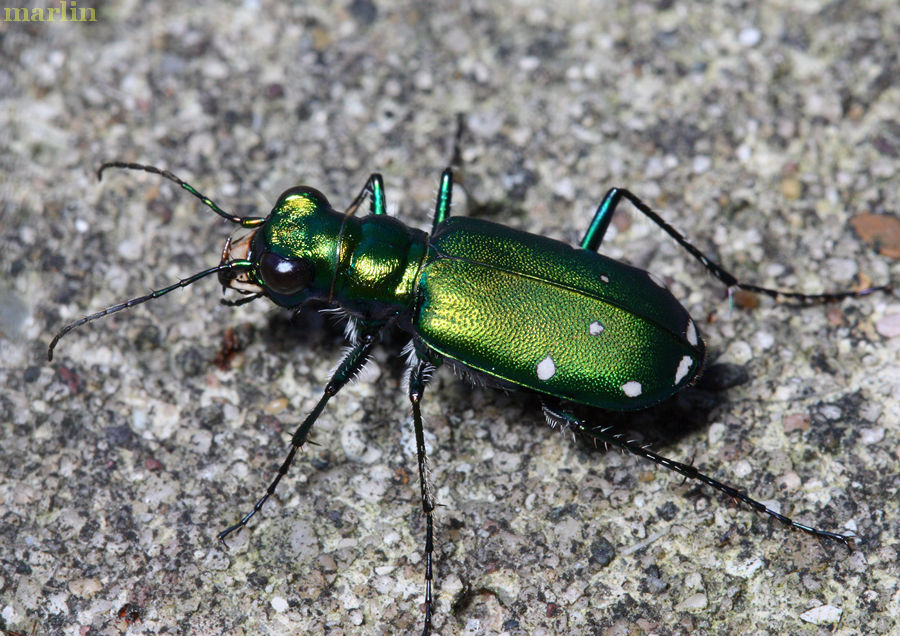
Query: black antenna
x=232, y=265
x=243, y=221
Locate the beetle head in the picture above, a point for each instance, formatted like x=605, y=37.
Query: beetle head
x=293, y=253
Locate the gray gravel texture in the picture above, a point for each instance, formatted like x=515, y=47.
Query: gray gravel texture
x=759, y=129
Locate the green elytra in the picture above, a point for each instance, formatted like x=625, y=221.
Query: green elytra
x=510, y=308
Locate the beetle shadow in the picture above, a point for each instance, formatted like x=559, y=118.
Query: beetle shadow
x=305, y=330
x=685, y=413
x=658, y=426
x=312, y=331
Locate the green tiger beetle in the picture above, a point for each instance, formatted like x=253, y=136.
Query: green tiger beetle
x=506, y=308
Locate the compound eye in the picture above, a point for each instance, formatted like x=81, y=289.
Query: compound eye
x=285, y=276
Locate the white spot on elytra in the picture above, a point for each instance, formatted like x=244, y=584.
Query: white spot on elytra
x=691, y=333
x=546, y=368
x=632, y=389
x=656, y=279
x=595, y=328
x=683, y=367
x=604, y=278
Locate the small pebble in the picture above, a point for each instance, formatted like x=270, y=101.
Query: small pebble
x=749, y=36
x=822, y=615
x=889, y=326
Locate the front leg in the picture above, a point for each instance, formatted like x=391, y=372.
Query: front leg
x=353, y=362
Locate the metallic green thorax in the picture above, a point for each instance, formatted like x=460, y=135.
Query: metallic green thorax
x=365, y=265
x=562, y=321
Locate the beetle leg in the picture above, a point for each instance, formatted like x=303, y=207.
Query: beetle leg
x=353, y=362
x=445, y=189
x=557, y=415
x=419, y=374
x=374, y=187
x=445, y=193
x=603, y=216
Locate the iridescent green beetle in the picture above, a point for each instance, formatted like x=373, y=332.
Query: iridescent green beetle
x=508, y=308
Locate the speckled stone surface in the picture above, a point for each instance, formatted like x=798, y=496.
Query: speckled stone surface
x=759, y=129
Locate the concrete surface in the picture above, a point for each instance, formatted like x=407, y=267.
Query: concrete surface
x=759, y=129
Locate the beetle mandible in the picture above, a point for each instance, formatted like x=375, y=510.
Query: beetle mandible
x=508, y=308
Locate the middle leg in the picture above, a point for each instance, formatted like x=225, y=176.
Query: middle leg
x=419, y=374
